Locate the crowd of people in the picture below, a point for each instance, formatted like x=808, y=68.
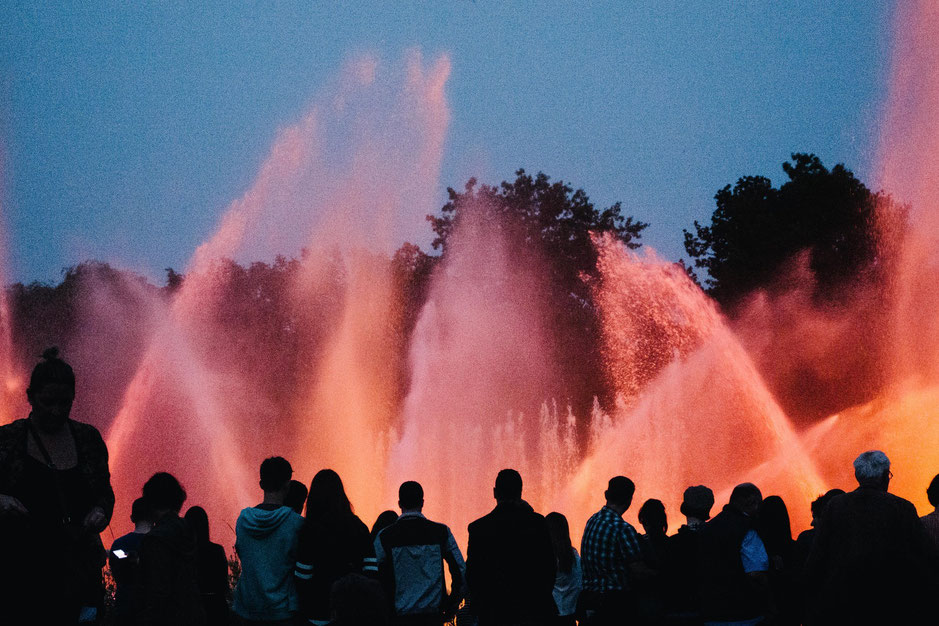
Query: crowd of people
x=306, y=558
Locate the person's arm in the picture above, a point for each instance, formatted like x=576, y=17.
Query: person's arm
x=629, y=542
x=95, y=454
x=454, y=559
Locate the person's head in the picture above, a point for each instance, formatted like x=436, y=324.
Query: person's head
x=619, y=493
x=275, y=476
x=411, y=496
x=296, y=496
x=164, y=494
x=385, y=519
x=746, y=498
x=508, y=486
x=696, y=503
x=327, y=496
x=560, y=533
x=653, y=519
x=820, y=503
x=932, y=492
x=773, y=524
x=51, y=391
x=872, y=469
x=198, y=521
x=358, y=601
x=141, y=513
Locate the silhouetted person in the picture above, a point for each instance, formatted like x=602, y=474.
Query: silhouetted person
x=55, y=499
x=650, y=591
x=569, y=580
x=211, y=568
x=357, y=600
x=931, y=521
x=683, y=604
x=733, y=562
x=383, y=521
x=333, y=543
x=775, y=530
x=296, y=496
x=168, y=587
x=267, y=536
x=803, y=546
x=410, y=554
x=510, y=564
x=872, y=562
x=124, y=559
x=611, y=558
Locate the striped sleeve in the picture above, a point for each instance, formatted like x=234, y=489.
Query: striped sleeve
x=303, y=571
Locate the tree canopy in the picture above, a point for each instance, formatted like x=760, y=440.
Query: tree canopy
x=757, y=228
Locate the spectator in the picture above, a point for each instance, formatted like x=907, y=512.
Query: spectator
x=333, y=543
x=384, y=520
x=410, y=554
x=776, y=532
x=296, y=496
x=733, y=562
x=569, y=580
x=357, y=601
x=650, y=591
x=211, y=568
x=55, y=499
x=266, y=543
x=931, y=521
x=872, y=561
x=169, y=591
x=683, y=605
x=510, y=565
x=611, y=558
x=124, y=559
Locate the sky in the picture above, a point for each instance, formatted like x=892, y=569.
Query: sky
x=126, y=129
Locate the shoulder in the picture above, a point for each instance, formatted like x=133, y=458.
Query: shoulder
x=86, y=431
x=12, y=431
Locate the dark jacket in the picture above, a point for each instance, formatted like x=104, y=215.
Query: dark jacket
x=169, y=591
x=510, y=566
x=727, y=593
x=329, y=548
x=871, y=561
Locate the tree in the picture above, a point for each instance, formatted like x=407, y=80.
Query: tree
x=556, y=222
x=756, y=229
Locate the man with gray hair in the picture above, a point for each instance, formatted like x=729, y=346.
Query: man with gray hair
x=872, y=562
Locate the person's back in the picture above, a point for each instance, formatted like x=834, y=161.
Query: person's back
x=124, y=561
x=169, y=592
x=266, y=542
x=510, y=567
x=871, y=561
x=732, y=562
x=410, y=555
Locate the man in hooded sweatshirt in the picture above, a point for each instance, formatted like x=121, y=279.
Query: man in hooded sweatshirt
x=266, y=542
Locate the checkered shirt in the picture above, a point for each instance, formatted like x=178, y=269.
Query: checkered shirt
x=609, y=545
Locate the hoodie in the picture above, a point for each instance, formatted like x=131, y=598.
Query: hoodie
x=267, y=546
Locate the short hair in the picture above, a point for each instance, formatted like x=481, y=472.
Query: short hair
x=508, y=485
x=140, y=511
x=163, y=492
x=296, y=496
x=410, y=494
x=652, y=514
x=746, y=495
x=51, y=370
x=275, y=473
x=932, y=492
x=620, y=490
x=697, y=502
x=820, y=503
x=871, y=465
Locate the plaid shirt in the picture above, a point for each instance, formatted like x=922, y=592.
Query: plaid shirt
x=609, y=545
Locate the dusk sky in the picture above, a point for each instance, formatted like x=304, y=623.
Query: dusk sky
x=126, y=129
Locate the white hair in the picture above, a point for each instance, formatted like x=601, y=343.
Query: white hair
x=871, y=465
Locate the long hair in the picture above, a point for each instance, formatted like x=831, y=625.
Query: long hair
x=774, y=527
x=327, y=496
x=561, y=541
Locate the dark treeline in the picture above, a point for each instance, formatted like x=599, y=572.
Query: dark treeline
x=824, y=220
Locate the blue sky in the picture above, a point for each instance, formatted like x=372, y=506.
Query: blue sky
x=127, y=128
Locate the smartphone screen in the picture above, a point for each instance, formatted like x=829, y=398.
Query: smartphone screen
x=120, y=554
